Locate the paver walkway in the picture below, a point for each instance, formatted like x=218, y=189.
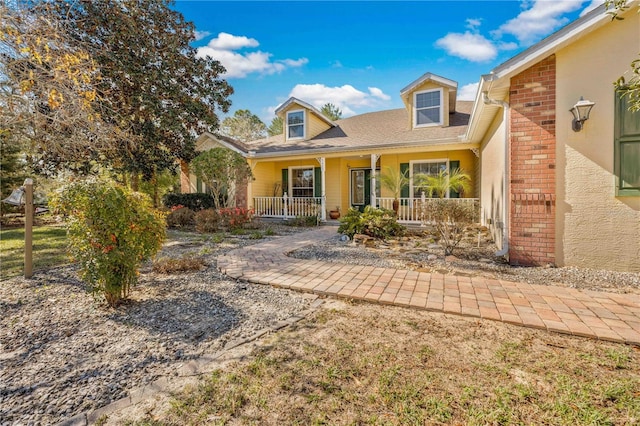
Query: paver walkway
x=601, y=315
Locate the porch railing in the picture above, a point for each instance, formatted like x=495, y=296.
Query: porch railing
x=411, y=210
x=414, y=209
x=287, y=207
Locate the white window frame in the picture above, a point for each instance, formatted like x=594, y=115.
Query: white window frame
x=313, y=179
x=415, y=109
x=304, y=124
x=434, y=160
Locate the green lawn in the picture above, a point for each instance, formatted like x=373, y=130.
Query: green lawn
x=49, y=249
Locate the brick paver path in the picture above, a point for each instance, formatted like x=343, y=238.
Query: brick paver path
x=606, y=316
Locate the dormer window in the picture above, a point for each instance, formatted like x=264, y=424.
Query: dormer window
x=427, y=106
x=295, y=124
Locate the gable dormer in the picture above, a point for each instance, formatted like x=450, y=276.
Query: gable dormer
x=302, y=121
x=429, y=101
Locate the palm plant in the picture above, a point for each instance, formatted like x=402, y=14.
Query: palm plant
x=439, y=185
x=394, y=180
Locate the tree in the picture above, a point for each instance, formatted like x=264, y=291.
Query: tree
x=11, y=168
x=275, y=128
x=222, y=170
x=331, y=111
x=51, y=108
x=440, y=184
x=628, y=87
x=151, y=78
x=243, y=126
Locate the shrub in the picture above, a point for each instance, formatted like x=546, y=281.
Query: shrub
x=303, y=221
x=111, y=231
x=181, y=217
x=207, y=221
x=450, y=220
x=377, y=223
x=187, y=263
x=235, y=217
x=196, y=201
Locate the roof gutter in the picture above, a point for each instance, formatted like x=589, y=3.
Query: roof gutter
x=505, y=184
x=438, y=143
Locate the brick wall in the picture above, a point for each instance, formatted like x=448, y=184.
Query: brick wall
x=533, y=161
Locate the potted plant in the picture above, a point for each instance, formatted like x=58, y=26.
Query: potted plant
x=335, y=214
x=394, y=180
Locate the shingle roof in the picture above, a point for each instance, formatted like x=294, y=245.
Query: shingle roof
x=370, y=130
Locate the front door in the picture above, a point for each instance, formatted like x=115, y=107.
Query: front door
x=360, y=188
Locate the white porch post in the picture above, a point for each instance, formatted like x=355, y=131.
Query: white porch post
x=323, y=192
x=374, y=161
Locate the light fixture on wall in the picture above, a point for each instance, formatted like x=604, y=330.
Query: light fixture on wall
x=580, y=113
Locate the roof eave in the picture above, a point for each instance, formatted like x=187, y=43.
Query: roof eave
x=306, y=105
x=437, y=142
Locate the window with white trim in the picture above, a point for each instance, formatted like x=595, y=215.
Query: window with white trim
x=302, y=182
x=427, y=106
x=432, y=168
x=295, y=124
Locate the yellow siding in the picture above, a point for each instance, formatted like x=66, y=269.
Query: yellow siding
x=466, y=158
x=315, y=125
x=334, y=179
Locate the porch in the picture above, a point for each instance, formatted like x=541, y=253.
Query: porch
x=410, y=211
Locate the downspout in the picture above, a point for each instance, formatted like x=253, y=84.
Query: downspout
x=506, y=204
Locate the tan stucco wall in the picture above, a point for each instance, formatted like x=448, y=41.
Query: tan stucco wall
x=491, y=184
x=594, y=228
x=428, y=85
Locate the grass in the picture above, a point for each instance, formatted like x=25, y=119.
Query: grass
x=49, y=249
x=376, y=365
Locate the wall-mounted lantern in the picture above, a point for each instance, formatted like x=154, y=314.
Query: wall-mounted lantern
x=581, y=111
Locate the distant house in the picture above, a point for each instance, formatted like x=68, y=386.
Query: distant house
x=549, y=194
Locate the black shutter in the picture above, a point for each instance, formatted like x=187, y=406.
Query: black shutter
x=285, y=181
x=317, y=182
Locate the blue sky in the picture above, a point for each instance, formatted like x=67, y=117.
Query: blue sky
x=358, y=55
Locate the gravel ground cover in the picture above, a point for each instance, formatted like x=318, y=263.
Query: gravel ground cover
x=419, y=252
x=62, y=352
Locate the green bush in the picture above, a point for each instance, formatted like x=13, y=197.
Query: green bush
x=303, y=221
x=451, y=218
x=111, y=231
x=208, y=221
x=377, y=223
x=181, y=217
x=196, y=201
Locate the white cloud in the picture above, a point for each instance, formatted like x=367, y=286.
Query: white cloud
x=542, y=18
x=201, y=35
x=226, y=41
x=468, y=92
x=336, y=64
x=346, y=97
x=592, y=5
x=472, y=47
x=473, y=24
x=375, y=92
x=240, y=65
